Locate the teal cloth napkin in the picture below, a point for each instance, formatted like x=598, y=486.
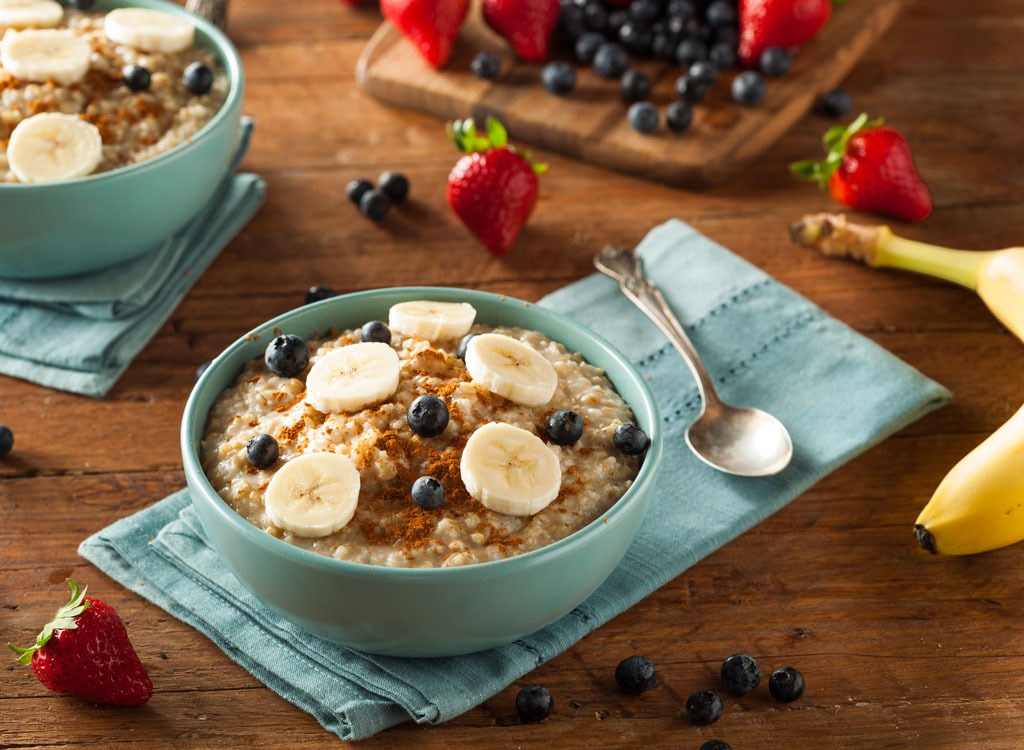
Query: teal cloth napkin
x=838, y=393
x=80, y=333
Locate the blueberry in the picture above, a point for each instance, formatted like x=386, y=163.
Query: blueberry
x=595, y=16
x=720, y=13
x=587, y=46
x=740, y=674
x=663, y=46
x=682, y=9
x=564, y=427
x=559, y=78
x=319, y=292
x=690, y=51
x=644, y=117
x=678, y=116
x=375, y=331
x=394, y=185
x=748, y=88
x=704, y=707
x=198, y=78
x=534, y=703
x=287, y=355
x=6, y=440
x=611, y=60
x=775, y=62
x=463, y=345
x=690, y=89
x=82, y=4
x=486, y=65
x=616, y=20
x=645, y=11
x=374, y=205
x=571, y=20
x=357, y=188
x=428, y=416
x=136, y=77
x=636, y=37
x=635, y=675
x=836, y=103
x=428, y=493
x=262, y=451
x=630, y=439
x=786, y=684
x=704, y=72
x=636, y=86
x=727, y=35
x=716, y=745
x=722, y=55
x=203, y=366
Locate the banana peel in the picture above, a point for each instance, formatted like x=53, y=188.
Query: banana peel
x=979, y=505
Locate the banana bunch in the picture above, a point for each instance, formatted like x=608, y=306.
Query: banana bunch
x=979, y=505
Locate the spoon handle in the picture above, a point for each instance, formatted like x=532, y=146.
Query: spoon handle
x=625, y=266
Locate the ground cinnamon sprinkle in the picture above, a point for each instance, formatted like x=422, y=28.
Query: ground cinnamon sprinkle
x=288, y=434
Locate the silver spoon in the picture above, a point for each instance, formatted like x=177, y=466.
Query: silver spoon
x=737, y=440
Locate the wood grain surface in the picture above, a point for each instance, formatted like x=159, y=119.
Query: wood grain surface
x=900, y=649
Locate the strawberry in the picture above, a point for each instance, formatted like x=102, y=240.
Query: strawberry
x=526, y=24
x=431, y=25
x=85, y=651
x=493, y=188
x=778, y=23
x=869, y=167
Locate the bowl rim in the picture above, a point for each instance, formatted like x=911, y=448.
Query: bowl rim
x=236, y=77
x=199, y=484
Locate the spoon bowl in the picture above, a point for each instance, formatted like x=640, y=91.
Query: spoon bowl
x=744, y=441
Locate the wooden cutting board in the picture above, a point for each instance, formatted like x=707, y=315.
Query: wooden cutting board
x=591, y=123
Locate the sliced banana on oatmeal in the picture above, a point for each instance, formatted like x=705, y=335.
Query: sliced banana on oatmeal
x=510, y=470
x=511, y=368
x=40, y=55
x=52, y=146
x=30, y=14
x=313, y=495
x=351, y=377
x=432, y=320
x=150, y=30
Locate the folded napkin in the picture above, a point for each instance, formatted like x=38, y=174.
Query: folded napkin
x=836, y=391
x=80, y=333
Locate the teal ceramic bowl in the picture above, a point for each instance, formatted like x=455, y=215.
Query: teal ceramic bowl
x=420, y=612
x=74, y=226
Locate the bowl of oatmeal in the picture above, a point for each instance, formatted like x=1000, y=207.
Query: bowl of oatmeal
x=421, y=471
x=117, y=124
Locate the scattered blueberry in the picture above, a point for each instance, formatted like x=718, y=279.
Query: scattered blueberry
x=678, y=116
x=428, y=493
x=319, y=292
x=136, y=77
x=617, y=19
x=559, y=78
x=704, y=707
x=564, y=427
x=534, y=703
x=716, y=745
x=836, y=103
x=287, y=355
x=375, y=331
x=740, y=674
x=202, y=368
x=720, y=13
x=357, y=188
x=690, y=89
x=6, y=440
x=630, y=439
x=636, y=85
x=262, y=451
x=587, y=46
x=644, y=117
x=198, y=78
x=486, y=65
x=786, y=684
x=645, y=11
x=775, y=62
x=663, y=46
x=461, y=351
x=748, y=88
x=394, y=185
x=595, y=16
x=690, y=51
x=704, y=72
x=611, y=60
x=635, y=675
x=428, y=416
x=722, y=55
x=374, y=205
x=570, y=19
x=636, y=37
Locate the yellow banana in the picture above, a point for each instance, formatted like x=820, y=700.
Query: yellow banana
x=979, y=505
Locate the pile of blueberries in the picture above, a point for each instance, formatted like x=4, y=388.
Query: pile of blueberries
x=375, y=202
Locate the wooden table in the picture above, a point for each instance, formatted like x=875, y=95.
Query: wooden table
x=900, y=649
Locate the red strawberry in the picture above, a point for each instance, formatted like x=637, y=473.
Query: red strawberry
x=778, y=23
x=526, y=24
x=869, y=167
x=493, y=188
x=85, y=651
x=431, y=25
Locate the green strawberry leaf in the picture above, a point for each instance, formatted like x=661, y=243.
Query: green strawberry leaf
x=835, y=141
x=63, y=620
x=496, y=132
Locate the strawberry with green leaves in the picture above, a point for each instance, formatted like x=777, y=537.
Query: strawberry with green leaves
x=85, y=651
x=431, y=25
x=493, y=188
x=778, y=23
x=869, y=167
x=526, y=24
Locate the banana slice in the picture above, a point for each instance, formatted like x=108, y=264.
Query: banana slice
x=41, y=55
x=150, y=30
x=314, y=494
x=510, y=368
x=432, y=320
x=510, y=470
x=30, y=14
x=52, y=146
x=353, y=376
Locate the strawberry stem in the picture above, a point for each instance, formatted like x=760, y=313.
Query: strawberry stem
x=463, y=134
x=835, y=141
x=63, y=620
